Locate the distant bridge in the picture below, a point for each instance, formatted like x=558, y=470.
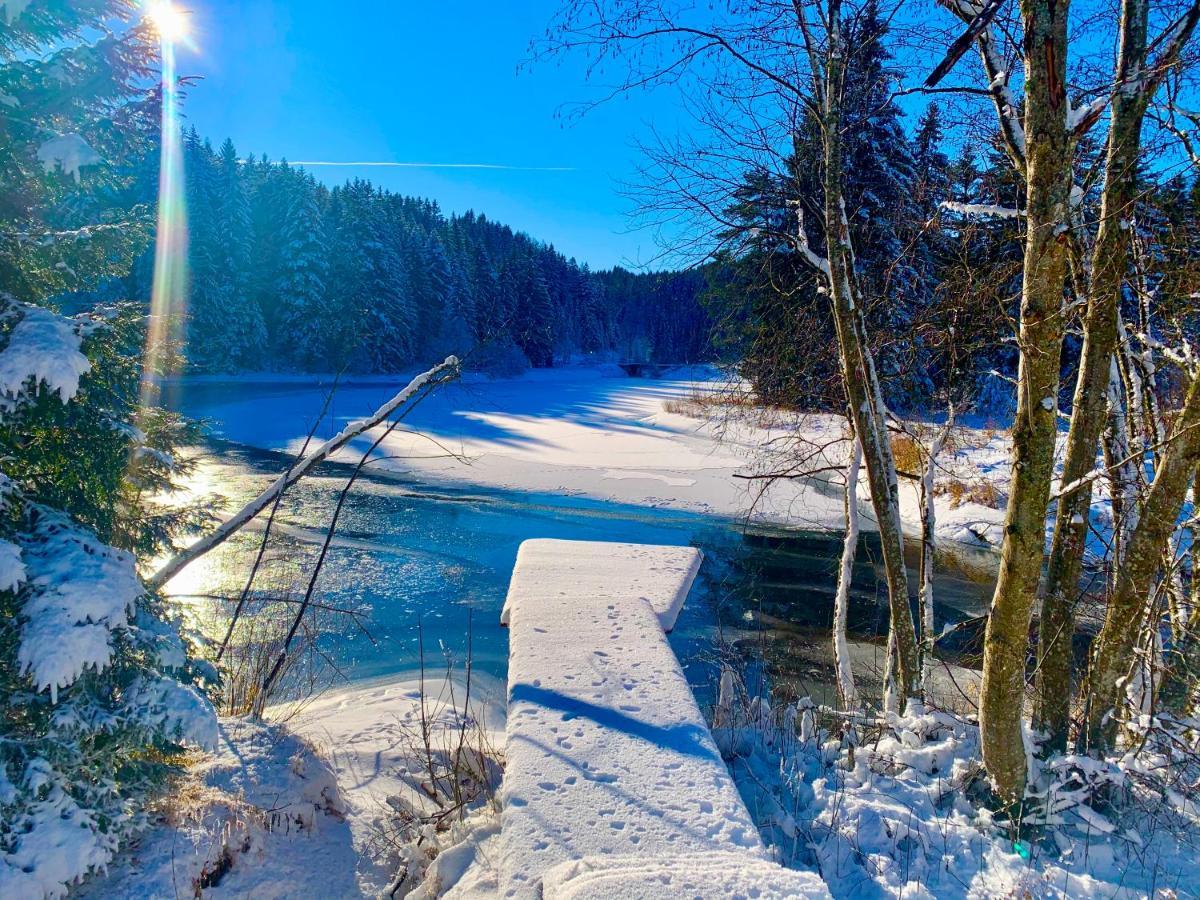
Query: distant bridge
x=648, y=370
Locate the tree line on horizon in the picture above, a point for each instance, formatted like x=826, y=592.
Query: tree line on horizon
x=286, y=274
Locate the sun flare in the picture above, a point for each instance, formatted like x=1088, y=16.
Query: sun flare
x=169, y=20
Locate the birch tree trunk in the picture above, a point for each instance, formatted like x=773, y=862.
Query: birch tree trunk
x=929, y=547
x=858, y=367
x=1121, y=463
x=847, y=692
x=1109, y=264
x=1112, y=651
x=1048, y=190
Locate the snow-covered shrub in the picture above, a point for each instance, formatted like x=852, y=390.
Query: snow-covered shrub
x=900, y=805
x=498, y=359
x=456, y=772
x=995, y=397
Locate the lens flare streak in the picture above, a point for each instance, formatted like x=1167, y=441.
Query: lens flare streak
x=168, y=296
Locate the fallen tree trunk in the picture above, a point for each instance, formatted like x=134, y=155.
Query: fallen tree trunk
x=441, y=373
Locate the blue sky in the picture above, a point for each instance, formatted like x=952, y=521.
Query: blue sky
x=421, y=82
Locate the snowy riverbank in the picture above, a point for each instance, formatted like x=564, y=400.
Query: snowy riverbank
x=593, y=433
x=345, y=796
x=319, y=801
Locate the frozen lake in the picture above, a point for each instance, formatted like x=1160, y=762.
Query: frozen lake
x=423, y=543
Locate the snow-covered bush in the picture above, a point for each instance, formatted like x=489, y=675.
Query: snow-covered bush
x=901, y=806
x=453, y=770
x=996, y=397
x=499, y=359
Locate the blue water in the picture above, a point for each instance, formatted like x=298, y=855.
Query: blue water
x=425, y=568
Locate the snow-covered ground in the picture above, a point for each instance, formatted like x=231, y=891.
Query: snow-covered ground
x=905, y=814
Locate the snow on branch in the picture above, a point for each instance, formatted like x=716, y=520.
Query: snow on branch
x=43, y=348
x=171, y=708
x=978, y=17
x=1081, y=118
x=68, y=152
x=442, y=372
x=59, y=839
x=800, y=241
x=982, y=209
x=80, y=592
x=12, y=570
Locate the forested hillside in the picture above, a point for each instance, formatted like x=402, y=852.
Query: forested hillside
x=288, y=275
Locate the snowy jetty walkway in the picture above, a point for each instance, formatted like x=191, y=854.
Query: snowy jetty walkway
x=613, y=786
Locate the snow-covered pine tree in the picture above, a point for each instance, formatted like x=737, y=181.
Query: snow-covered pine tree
x=533, y=315
x=300, y=278
x=367, y=267
x=930, y=160
x=94, y=699
x=782, y=328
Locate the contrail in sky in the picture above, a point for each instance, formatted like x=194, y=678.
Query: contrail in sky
x=422, y=165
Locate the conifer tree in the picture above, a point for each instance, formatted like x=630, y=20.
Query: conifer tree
x=94, y=703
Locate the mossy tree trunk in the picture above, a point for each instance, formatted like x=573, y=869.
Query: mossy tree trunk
x=1109, y=263
x=1130, y=603
x=1048, y=154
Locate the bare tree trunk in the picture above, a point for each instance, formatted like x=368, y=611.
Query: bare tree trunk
x=1112, y=650
x=1110, y=260
x=1120, y=463
x=847, y=692
x=1195, y=556
x=929, y=547
x=858, y=367
x=442, y=372
x=1048, y=189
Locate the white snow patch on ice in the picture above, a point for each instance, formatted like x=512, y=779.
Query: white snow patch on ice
x=672, y=480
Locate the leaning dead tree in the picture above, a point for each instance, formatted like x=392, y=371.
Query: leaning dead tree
x=445, y=371
x=790, y=57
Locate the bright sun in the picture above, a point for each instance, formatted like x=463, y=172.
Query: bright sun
x=169, y=19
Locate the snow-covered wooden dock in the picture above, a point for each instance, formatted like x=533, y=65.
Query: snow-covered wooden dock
x=613, y=785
